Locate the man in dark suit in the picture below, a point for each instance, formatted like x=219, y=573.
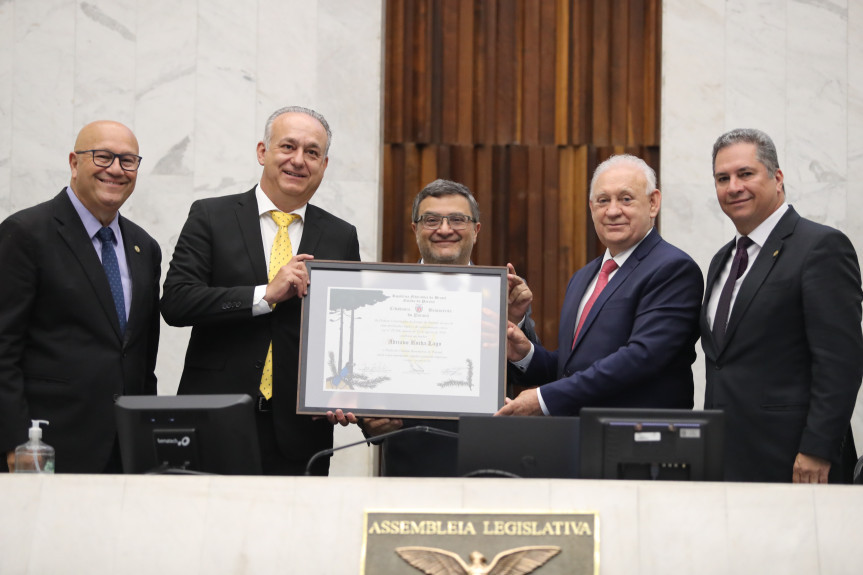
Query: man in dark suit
x=786, y=362
x=629, y=321
x=446, y=221
x=71, y=339
x=246, y=321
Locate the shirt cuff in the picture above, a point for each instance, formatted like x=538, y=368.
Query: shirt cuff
x=525, y=361
x=541, y=402
x=260, y=306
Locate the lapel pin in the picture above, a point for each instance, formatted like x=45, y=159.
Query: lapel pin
x=138, y=250
x=776, y=253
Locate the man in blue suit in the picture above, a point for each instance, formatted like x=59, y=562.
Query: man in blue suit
x=629, y=321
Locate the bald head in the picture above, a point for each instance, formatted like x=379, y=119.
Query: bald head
x=102, y=189
x=94, y=131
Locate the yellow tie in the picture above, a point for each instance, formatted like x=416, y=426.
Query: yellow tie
x=280, y=255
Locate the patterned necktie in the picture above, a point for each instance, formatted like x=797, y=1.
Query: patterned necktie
x=112, y=270
x=608, y=267
x=723, y=308
x=280, y=255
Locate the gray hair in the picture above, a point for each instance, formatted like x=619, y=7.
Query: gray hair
x=268, y=128
x=625, y=159
x=765, y=149
x=439, y=188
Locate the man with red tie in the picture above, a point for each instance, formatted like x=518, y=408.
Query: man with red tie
x=629, y=321
x=780, y=327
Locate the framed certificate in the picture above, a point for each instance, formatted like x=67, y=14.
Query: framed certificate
x=403, y=340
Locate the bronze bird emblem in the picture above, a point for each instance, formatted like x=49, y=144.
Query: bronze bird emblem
x=517, y=561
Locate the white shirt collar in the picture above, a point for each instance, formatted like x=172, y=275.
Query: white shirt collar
x=621, y=258
x=762, y=231
x=266, y=205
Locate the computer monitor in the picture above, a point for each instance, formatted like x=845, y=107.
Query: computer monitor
x=188, y=434
x=534, y=447
x=673, y=444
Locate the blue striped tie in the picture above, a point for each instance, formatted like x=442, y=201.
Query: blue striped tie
x=112, y=270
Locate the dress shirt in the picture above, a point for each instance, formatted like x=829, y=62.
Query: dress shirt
x=758, y=236
x=92, y=225
x=269, y=229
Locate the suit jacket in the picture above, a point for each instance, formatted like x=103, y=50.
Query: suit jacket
x=218, y=261
x=788, y=373
x=62, y=357
x=637, y=344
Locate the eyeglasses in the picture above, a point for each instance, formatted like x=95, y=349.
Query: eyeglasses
x=434, y=221
x=105, y=158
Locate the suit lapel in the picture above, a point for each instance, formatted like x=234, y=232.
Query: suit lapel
x=249, y=222
x=716, y=265
x=632, y=262
x=139, y=272
x=71, y=230
x=569, y=313
x=312, y=231
x=767, y=257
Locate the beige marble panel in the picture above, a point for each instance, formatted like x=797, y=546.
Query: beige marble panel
x=78, y=508
x=833, y=511
x=104, y=63
x=7, y=66
x=755, y=64
x=770, y=529
x=165, y=92
x=691, y=540
x=162, y=524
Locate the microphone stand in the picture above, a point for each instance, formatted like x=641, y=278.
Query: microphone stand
x=378, y=439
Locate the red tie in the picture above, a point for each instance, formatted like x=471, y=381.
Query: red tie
x=608, y=267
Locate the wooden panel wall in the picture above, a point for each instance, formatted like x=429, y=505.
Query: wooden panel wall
x=519, y=100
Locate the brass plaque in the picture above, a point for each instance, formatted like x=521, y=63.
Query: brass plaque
x=472, y=543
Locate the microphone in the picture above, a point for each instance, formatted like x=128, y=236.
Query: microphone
x=378, y=439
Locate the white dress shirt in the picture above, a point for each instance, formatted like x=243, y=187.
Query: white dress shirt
x=269, y=229
x=758, y=236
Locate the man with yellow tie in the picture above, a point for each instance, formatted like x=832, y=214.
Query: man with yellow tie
x=238, y=275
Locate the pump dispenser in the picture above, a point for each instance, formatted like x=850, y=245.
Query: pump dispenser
x=35, y=456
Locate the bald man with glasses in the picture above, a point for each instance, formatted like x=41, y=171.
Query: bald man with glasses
x=79, y=316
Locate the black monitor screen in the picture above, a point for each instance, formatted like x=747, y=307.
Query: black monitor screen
x=672, y=444
x=191, y=433
x=518, y=446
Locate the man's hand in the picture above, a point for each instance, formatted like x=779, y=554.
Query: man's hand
x=527, y=403
x=517, y=344
x=10, y=461
x=292, y=280
x=342, y=418
x=519, y=298
x=810, y=469
x=374, y=426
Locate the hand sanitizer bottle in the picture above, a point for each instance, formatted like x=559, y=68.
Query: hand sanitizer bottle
x=34, y=456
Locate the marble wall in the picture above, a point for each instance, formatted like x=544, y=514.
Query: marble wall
x=195, y=81
x=793, y=68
